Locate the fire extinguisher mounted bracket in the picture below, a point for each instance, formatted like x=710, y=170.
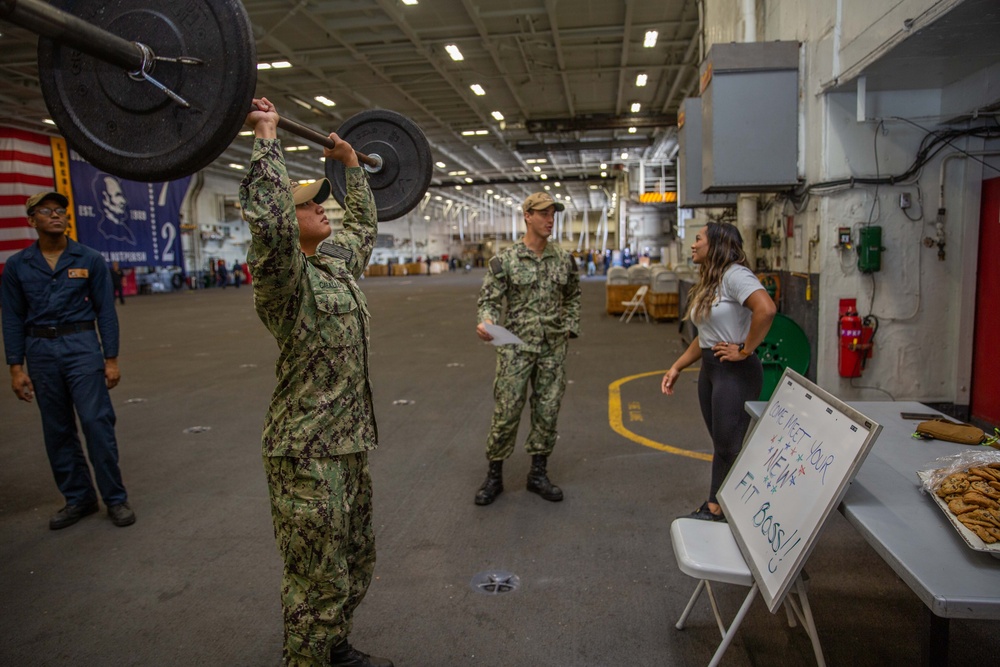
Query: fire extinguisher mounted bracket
x=849, y=334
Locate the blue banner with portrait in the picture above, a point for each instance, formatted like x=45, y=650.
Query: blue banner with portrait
x=129, y=222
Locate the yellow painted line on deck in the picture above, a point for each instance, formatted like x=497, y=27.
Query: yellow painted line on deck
x=618, y=424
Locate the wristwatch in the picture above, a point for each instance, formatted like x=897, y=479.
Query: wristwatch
x=743, y=351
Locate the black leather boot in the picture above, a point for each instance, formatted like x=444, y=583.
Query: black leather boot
x=345, y=655
x=538, y=480
x=493, y=485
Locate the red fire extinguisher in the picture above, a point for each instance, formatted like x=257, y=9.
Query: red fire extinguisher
x=852, y=348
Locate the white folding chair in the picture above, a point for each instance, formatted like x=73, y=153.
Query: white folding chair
x=638, y=301
x=707, y=551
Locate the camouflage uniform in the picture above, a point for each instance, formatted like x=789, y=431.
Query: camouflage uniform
x=320, y=424
x=543, y=310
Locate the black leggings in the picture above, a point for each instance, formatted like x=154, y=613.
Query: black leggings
x=723, y=388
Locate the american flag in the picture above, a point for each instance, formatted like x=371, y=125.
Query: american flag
x=25, y=168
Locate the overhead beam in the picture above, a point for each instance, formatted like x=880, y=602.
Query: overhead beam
x=526, y=148
x=522, y=181
x=599, y=122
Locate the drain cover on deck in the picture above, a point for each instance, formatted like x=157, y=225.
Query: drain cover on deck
x=495, y=582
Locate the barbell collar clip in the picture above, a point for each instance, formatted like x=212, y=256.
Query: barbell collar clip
x=148, y=60
x=182, y=60
x=374, y=163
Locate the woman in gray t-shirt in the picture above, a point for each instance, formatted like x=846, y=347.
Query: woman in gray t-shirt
x=733, y=313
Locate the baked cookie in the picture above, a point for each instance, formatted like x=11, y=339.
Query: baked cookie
x=955, y=483
x=985, y=489
x=989, y=474
x=974, y=498
x=959, y=506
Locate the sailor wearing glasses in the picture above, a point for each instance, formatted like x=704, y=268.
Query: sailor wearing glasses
x=56, y=299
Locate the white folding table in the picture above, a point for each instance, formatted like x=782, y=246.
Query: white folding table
x=913, y=536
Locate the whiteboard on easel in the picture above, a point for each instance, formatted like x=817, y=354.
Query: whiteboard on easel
x=793, y=471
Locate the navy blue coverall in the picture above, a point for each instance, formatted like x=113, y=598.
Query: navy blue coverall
x=48, y=318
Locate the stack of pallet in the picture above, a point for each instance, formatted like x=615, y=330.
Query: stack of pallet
x=661, y=298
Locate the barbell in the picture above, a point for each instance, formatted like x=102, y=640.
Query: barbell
x=154, y=93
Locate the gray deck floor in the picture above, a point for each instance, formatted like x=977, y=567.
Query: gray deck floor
x=195, y=580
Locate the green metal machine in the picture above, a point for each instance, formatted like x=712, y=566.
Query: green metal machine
x=870, y=249
x=785, y=346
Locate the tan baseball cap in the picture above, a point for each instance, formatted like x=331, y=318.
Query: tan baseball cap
x=540, y=200
x=317, y=191
x=37, y=198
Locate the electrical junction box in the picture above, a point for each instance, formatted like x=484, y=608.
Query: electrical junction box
x=689, y=194
x=870, y=249
x=844, y=238
x=750, y=115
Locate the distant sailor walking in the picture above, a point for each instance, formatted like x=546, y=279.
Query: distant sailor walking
x=541, y=287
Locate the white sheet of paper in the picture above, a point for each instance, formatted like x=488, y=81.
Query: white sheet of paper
x=501, y=336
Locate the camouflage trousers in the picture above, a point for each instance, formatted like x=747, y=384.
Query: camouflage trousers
x=545, y=372
x=322, y=512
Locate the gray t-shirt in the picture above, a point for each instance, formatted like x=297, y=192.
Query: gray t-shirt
x=729, y=321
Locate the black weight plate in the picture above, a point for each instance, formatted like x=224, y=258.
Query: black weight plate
x=129, y=127
x=406, y=160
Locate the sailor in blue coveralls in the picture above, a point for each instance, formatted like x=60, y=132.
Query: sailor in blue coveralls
x=52, y=291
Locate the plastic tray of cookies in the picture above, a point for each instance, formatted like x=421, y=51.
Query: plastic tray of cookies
x=970, y=537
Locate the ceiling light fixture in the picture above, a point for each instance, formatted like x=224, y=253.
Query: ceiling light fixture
x=453, y=51
x=281, y=64
x=604, y=165
x=233, y=165
x=624, y=156
x=409, y=2
x=650, y=40
x=325, y=101
x=640, y=80
x=497, y=115
x=631, y=130
x=440, y=165
x=477, y=89
x=635, y=107
x=301, y=102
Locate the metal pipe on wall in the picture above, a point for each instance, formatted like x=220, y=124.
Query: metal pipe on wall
x=746, y=221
